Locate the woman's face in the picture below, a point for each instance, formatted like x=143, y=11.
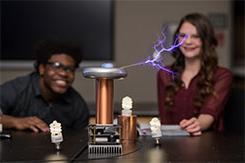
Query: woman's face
x=191, y=48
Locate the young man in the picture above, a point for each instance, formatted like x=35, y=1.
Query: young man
x=35, y=100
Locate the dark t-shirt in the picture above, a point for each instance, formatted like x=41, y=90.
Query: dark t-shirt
x=21, y=97
x=183, y=102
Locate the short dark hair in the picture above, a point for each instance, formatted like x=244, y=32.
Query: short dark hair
x=45, y=49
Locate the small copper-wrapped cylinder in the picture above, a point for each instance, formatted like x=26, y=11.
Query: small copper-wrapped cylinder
x=128, y=127
x=104, y=101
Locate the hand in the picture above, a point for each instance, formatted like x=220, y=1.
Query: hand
x=192, y=126
x=33, y=123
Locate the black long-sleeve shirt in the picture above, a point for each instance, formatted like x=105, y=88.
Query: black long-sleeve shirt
x=21, y=97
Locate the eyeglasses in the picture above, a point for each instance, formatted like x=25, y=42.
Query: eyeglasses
x=58, y=67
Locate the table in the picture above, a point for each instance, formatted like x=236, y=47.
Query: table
x=33, y=147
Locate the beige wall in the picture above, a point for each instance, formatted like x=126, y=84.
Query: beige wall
x=137, y=25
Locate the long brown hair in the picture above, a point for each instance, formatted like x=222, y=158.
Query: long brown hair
x=209, y=62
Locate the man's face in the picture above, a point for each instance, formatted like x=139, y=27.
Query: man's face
x=57, y=75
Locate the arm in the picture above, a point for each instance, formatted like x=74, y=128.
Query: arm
x=9, y=95
x=33, y=123
x=195, y=126
x=81, y=113
x=162, y=81
x=212, y=110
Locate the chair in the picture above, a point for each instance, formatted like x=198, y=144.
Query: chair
x=234, y=111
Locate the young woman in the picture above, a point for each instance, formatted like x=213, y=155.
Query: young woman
x=195, y=97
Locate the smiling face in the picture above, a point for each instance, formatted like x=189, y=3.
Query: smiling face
x=57, y=75
x=191, y=48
